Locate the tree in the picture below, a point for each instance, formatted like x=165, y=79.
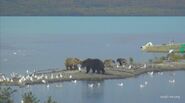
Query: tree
x=5, y=95
x=50, y=100
x=29, y=98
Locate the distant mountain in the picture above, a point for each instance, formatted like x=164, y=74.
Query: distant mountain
x=92, y=7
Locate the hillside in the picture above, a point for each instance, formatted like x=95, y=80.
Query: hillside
x=92, y=7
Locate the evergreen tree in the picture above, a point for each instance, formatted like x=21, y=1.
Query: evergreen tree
x=29, y=98
x=50, y=100
x=5, y=95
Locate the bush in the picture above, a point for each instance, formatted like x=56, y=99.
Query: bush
x=50, y=100
x=29, y=98
x=5, y=95
x=175, y=57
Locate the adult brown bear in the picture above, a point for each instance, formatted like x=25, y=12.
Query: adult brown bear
x=109, y=63
x=94, y=64
x=121, y=61
x=71, y=63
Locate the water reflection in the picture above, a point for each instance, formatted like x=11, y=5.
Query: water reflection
x=93, y=90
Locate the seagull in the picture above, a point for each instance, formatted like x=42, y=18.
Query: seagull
x=172, y=81
x=99, y=84
x=7, y=79
x=38, y=77
x=120, y=84
x=28, y=86
x=61, y=76
x=31, y=78
x=27, y=77
x=70, y=76
x=146, y=82
x=171, y=51
x=22, y=101
x=47, y=86
x=20, y=81
x=15, y=53
x=41, y=76
x=74, y=81
x=57, y=76
x=79, y=68
x=141, y=86
x=27, y=71
x=117, y=65
x=43, y=81
x=46, y=77
x=151, y=73
x=3, y=78
x=144, y=66
x=51, y=76
x=91, y=85
x=35, y=76
x=130, y=66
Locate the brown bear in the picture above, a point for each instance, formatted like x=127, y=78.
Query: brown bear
x=71, y=63
x=94, y=64
x=122, y=61
x=109, y=63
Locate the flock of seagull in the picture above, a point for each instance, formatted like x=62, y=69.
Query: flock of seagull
x=171, y=81
x=44, y=79
x=144, y=66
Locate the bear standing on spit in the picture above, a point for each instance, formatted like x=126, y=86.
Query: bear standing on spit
x=94, y=64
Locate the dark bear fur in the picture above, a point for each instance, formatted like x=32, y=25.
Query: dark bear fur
x=94, y=64
x=121, y=61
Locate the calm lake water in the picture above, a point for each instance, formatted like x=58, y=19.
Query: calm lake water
x=157, y=90
x=28, y=43
x=45, y=42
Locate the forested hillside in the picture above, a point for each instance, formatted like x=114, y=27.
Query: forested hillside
x=92, y=7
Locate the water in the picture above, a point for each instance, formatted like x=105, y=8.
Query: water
x=45, y=42
x=108, y=91
x=28, y=43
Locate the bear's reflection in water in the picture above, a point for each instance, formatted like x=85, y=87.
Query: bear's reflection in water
x=93, y=90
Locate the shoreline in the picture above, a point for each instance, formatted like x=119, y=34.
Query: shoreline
x=112, y=73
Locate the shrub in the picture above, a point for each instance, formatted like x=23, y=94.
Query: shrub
x=5, y=95
x=50, y=100
x=29, y=98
